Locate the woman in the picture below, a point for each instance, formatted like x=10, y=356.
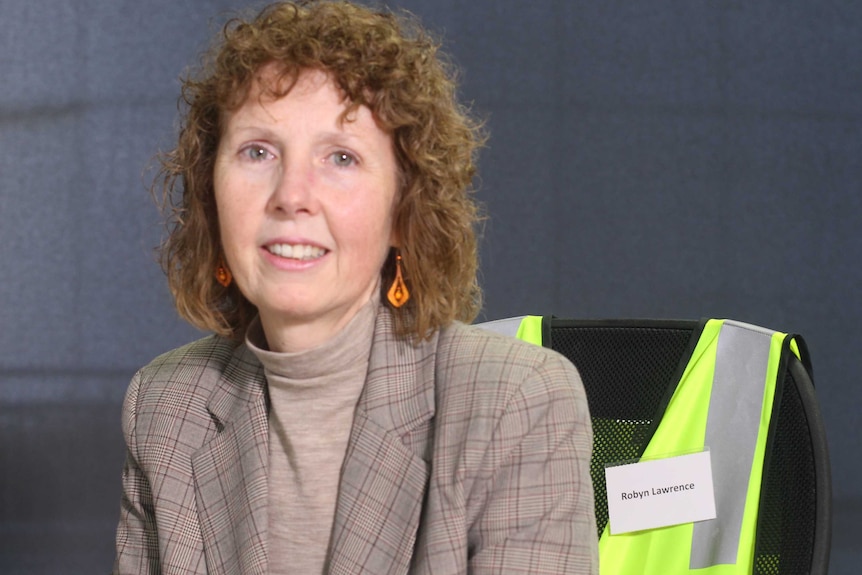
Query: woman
x=342, y=418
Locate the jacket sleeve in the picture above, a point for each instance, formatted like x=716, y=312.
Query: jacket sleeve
x=533, y=508
x=137, y=541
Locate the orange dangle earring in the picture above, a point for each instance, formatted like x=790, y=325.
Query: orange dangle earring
x=398, y=293
x=222, y=274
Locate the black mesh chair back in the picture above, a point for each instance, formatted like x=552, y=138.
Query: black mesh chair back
x=630, y=369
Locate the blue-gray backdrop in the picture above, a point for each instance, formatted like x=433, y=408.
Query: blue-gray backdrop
x=672, y=158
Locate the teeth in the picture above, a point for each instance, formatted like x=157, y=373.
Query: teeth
x=297, y=252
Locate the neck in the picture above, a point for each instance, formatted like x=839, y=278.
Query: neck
x=291, y=335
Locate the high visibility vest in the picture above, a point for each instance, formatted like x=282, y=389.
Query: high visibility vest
x=723, y=403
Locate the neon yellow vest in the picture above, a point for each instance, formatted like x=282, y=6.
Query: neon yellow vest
x=723, y=403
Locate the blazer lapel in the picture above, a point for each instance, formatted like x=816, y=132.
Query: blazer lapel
x=384, y=476
x=230, y=472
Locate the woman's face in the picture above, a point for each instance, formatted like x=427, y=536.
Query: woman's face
x=305, y=205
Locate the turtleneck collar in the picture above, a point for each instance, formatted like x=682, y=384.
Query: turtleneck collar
x=348, y=348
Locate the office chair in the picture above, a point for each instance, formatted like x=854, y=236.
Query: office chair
x=631, y=368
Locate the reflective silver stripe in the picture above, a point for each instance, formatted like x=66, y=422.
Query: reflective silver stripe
x=508, y=326
x=735, y=404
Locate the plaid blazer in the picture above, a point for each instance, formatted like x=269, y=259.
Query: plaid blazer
x=469, y=453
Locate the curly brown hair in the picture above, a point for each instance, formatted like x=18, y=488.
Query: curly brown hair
x=381, y=60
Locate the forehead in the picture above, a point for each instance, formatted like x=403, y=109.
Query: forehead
x=274, y=87
x=272, y=83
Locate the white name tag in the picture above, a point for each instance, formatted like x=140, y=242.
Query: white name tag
x=660, y=492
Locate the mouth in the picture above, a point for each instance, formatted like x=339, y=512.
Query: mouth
x=302, y=252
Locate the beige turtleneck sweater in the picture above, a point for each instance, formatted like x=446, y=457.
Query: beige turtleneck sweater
x=313, y=395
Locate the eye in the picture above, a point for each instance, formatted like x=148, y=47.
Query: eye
x=256, y=153
x=342, y=159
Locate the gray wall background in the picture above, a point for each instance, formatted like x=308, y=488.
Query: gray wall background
x=672, y=158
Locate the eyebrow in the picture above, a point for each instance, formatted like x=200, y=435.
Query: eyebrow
x=264, y=131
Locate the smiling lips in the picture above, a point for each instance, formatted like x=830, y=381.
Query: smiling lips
x=296, y=252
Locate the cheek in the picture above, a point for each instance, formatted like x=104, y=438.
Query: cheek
x=376, y=234
x=234, y=226
x=233, y=208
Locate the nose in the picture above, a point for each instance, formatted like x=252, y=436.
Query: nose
x=292, y=192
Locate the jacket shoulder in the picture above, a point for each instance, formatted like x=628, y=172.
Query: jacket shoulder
x=469, y=343
x=193, y=367
x=169, y=397
x=502, y=367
